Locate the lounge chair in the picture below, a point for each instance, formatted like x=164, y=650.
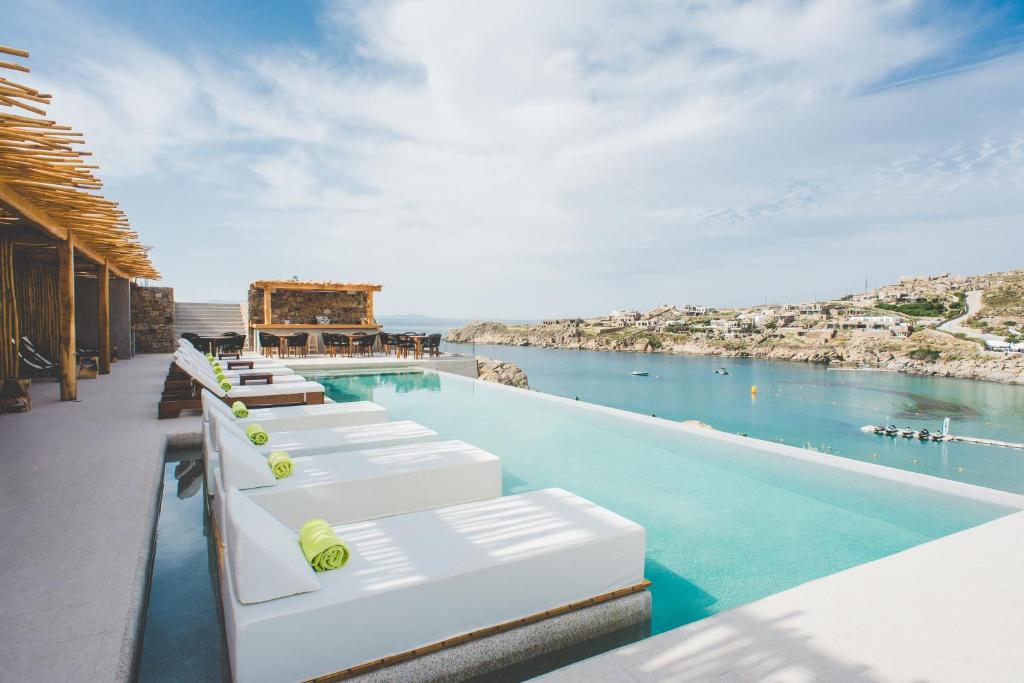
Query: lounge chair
x=177, y=397
x=236, y=377
x=364, y=484
x=32, y=362
x=331, y=441
x=291, y=418
x=415, y=582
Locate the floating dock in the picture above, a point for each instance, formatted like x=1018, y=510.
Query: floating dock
x=870, y=429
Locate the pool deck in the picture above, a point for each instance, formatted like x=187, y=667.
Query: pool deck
x=949, y=610
x=78, y=497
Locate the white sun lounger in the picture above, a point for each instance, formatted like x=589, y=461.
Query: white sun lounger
x=322, y=440
x=260, y=394
x=184, y=359
x=288, y=418
x=413, y=580
x=364, y=484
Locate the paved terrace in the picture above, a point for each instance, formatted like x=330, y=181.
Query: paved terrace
x=78, y=494
x=949, y=610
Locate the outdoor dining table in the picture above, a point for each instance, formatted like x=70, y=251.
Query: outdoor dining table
x=418, y=339
x=213, y=342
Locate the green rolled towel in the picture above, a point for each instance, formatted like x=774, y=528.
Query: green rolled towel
x=209, y=357
x=321, y=546
x=217, y=368
x=220, y=376
x=280, y=464
x=239, y=409
x=257, y=434
x=225, y=385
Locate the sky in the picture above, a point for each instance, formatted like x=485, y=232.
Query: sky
x=536, y=159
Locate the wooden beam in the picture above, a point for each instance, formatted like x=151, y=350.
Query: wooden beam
x=103, y=316
x=39, y=219
x=66, y=309
x=318, y=286
x=266, y=305
x=369, y=309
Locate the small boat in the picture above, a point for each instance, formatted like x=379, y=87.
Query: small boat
x=907, y=433
x=891, y=430
x=640, y=373
x=937, y=436
x=923, y=434
x=878, y=429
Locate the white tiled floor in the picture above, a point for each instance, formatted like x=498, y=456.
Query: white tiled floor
x=78, y=488
x=950, y=610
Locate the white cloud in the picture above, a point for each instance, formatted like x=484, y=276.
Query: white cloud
x=547, y=158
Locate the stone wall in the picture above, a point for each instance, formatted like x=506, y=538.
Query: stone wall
x=153, y=319
x=302, y=307
x=255, y=306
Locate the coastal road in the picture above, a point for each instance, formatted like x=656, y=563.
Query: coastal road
x=956, y=326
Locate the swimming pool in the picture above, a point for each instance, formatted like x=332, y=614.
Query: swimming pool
x=726, y=523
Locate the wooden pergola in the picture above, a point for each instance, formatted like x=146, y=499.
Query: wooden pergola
x=52, y=226
x=269, y=286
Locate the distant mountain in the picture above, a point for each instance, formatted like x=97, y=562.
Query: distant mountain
x=416, y=317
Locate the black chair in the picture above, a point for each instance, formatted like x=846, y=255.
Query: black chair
x=298, y=344
x=364, y=344
x=269, y=343
x=385, y=343
x=333, y=342
x=432, y=345
x=233, y=345
x=195, y=341
x=403, y=345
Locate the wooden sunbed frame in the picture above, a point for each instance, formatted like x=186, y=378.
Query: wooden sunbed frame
x=450, y=642
x=182, y=392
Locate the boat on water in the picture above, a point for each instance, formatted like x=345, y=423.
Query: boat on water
x=721, y=371
x=923, y=434
x=907, y=433
x=640, y=373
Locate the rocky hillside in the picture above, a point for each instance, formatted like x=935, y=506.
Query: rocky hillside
x=927, y=352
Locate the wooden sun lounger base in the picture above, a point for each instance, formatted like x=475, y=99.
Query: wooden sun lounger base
x=450, y=642
x=181, y=392
x=172, y=407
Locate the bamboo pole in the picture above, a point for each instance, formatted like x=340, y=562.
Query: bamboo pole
x=103, y=316
x=66, y=300
x=9, y=365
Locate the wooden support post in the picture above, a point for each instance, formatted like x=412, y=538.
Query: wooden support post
x=66, y=309
x=103, y=315
x=266, y=305
x=369, y=309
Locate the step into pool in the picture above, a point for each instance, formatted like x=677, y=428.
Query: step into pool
x=727, y=523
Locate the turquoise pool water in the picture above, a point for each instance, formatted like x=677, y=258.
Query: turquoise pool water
x=726, y=524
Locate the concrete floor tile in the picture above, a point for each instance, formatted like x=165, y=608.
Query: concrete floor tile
x=71, y=661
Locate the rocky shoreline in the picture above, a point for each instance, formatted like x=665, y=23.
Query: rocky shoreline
x=927, y=352
x=501, y=372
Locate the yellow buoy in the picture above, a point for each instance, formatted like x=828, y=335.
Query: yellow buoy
x=753, y=390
